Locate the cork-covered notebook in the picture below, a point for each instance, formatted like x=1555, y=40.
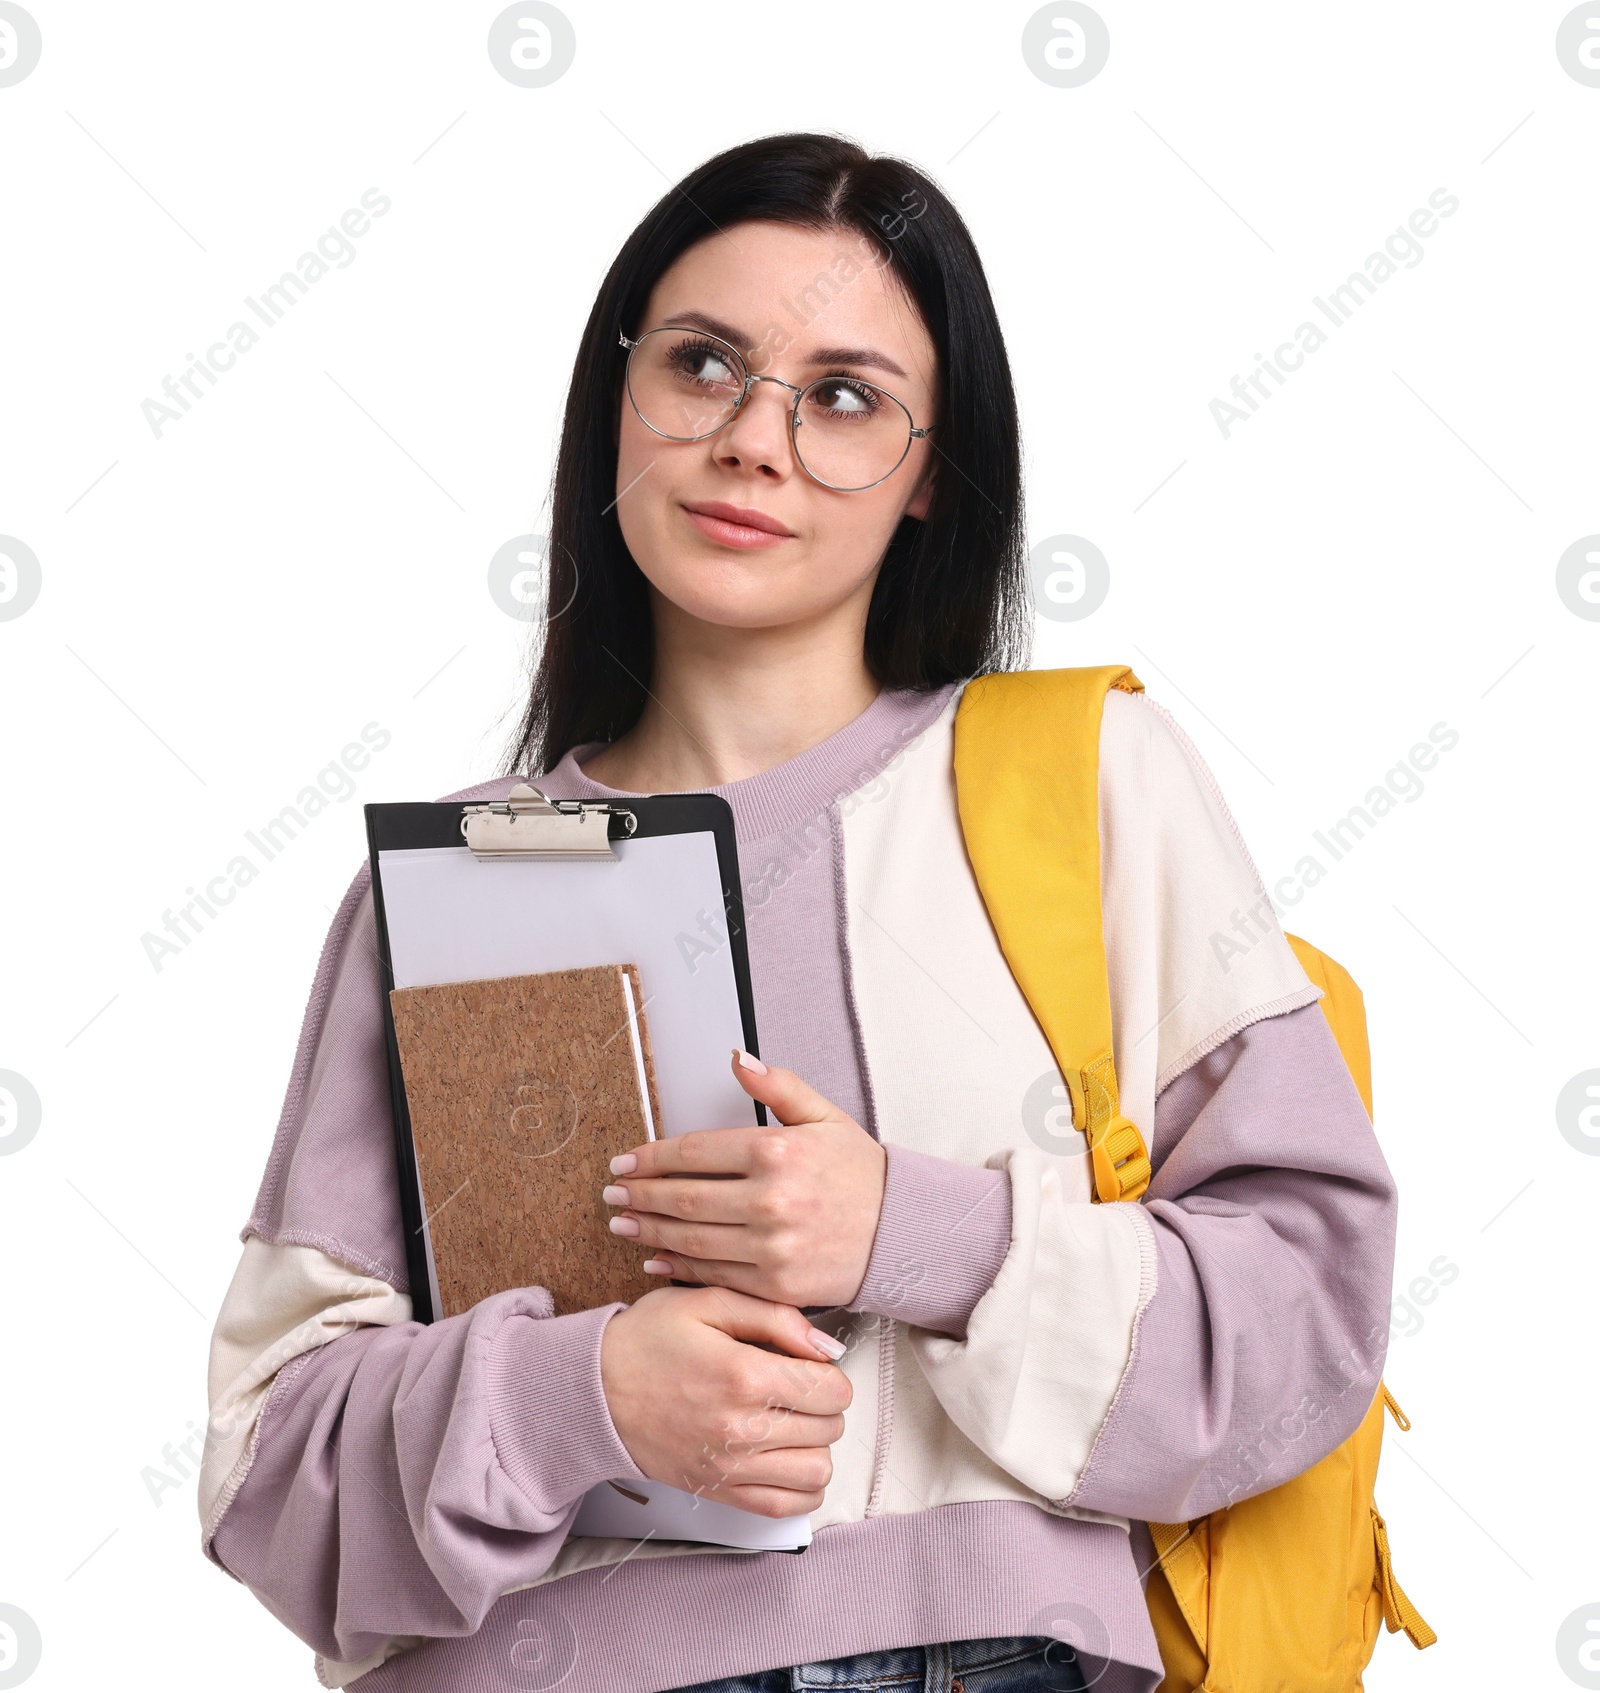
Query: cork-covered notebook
x=521, y=1089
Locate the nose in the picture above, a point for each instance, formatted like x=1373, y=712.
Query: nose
x=758, y=438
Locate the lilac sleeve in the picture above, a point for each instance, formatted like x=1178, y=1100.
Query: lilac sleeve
x=1274, y=1218
x=405, y=1477
x=927, y=1198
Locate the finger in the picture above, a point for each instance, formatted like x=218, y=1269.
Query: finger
x=705, y=1272
x=747, y=1317
x=683, y=1197
x=788, y=1469
x=693, y=1240
x=805, y=1389
x=770, y=1501
x=777, y=1428
x=698, y=1152
x=783, y=1093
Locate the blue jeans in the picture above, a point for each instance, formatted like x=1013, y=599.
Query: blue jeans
x=1030, y=1664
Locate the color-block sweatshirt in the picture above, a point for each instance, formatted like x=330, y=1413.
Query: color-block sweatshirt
x=1034, y=1376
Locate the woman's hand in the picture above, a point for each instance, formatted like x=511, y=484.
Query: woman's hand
x=797, y=1223
x=703, y=1405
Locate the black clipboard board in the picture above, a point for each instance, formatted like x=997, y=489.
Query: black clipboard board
x=411, y=826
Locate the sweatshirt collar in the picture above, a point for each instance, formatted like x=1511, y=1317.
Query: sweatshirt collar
x=800, y=787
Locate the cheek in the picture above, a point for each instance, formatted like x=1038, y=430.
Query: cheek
x=644, y=466
x=635, y=446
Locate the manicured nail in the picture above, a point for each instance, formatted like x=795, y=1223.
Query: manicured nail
x=624, y=1164
x=826, y=1343
x=625, y=1225
x=614, y=1195
x=657, y=1267
x=749, y=1061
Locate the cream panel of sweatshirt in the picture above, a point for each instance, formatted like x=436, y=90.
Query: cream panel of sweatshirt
x=283, y=1301
x=961, y=1070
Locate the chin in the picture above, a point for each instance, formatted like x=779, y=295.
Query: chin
x=733, y=593
x=757, y=609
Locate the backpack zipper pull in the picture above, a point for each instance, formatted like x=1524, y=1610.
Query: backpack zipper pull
x=1402, y=1421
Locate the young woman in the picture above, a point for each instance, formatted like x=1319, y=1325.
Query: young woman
x=787, y=529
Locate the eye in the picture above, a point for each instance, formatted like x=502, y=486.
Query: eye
x=702, y=362
x=843, y=398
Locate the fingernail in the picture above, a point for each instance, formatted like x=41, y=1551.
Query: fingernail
x=657, y=1267
x=749, y=1061
x=614, y=1195
x=826, y=1343
x=624, y=1164
x=626, y=1226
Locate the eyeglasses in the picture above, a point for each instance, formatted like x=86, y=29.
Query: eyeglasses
x=848, y=434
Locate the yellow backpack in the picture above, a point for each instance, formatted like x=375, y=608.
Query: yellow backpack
x=1280, y=1593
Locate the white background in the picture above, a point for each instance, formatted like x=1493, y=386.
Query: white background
x=305, y=553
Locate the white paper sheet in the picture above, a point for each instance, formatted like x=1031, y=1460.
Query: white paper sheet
x=611, y=1513
x=455, y=918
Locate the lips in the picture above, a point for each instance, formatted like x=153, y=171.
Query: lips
x=737, y=526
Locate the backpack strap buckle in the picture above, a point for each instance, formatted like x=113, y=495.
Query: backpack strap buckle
x=1117, y=1152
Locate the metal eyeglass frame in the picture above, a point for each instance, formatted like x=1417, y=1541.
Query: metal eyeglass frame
x=750, y=380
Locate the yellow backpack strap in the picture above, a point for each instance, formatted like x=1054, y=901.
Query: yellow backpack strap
x=1344, y=1009
x=1027, y=768
x=1184, y=1551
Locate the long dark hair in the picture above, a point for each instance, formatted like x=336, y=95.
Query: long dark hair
x=951, y=597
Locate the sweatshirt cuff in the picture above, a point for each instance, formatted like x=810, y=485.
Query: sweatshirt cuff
x=548, y=1416
x=943, y=1234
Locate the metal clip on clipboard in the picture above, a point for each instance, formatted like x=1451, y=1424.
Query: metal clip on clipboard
x=527, y=824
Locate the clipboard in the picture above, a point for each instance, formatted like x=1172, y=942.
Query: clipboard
x=464, y=891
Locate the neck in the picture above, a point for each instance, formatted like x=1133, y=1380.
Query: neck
x=727, y=703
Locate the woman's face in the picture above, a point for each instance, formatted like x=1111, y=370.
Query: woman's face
x=798, y=304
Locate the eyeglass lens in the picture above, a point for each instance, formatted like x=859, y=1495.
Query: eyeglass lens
x=687, y=385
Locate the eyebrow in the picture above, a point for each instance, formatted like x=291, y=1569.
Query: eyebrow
x=820, y=355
